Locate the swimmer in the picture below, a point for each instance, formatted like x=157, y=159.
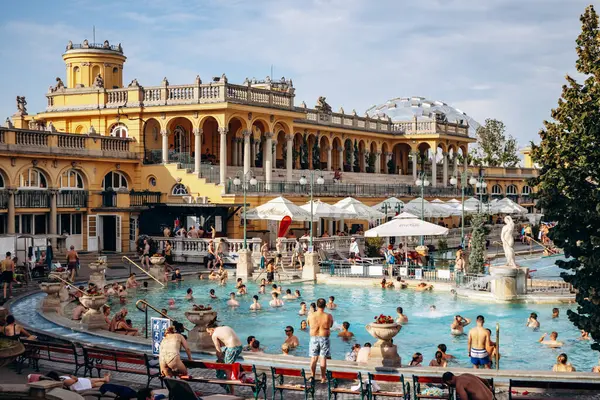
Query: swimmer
x=421, y=287
x=232, y=302
x=492, y=349
x=400, y=284
x=456, y=328
x=262, y=289
x=331, y=305
x=263, y=282
x=172, y=305
x=552, y=342
x=212, y=294
x=297, y=293
x=303, y=325
x=312, y=309
x=303, y=310
x=291, y=340
x=276, y=302
x=532, y=321
x=255, y=304
x=213, y=276
x=584, y=335
x=276, y=289
x=239, y=283
x=189, y=295
x=555, y=313
x=432, y=308
x=345, y=333
x=442, y=347
x=144, y=285
x=401, y=319
x=242, y=290
x=288, y=295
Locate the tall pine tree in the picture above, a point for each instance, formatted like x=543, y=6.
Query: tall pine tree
x=568, y=182
x=477, y=252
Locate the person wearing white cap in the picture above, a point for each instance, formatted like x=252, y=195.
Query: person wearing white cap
x=354, y=250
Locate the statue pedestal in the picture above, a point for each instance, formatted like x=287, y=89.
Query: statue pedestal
x=508, y=283
x=158, y=272
x=244, y=267
x=198, y=335
x=51, y=302
x=94, y=317
x=311, y=266
x=98, y=274
x=384, y=352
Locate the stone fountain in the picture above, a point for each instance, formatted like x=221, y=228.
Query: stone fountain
x=157, y=270
x=384, y=352
x=51, y=302
x=98, y=272
x=201, y=318
x=63, y=294
x=94, y=317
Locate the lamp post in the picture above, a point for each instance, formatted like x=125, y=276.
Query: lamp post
x=304, y=181
x=463, y=185
x=422, y=181
x=247, y=179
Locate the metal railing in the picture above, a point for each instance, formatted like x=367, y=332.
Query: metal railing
x=32, y=199
x=145, y=311
x=144, y=198
x=72, y=199
x=109, y=199
x=3, y=199
x=131, y=262
x=152, y=157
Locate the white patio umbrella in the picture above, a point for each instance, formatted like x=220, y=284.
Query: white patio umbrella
x=359, y=210
x=506, y=206
x=430, y=210
x=324, y=210
x=404, y=225
x=392, y=205
x=453, y=201
x=278, y=208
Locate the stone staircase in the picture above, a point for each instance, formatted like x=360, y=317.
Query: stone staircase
x=113, y=260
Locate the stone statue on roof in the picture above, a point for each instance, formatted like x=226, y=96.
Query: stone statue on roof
x=21, y=105
x=99, y=82
x=70, y=45
x=59, y=84
x=322, y=105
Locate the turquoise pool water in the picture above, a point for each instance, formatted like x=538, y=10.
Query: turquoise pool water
x=357, y=305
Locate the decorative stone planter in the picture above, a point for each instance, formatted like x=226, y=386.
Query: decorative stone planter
x=94, y=317
x=198, y=335
x=384, y=352
x=63, y=294
x=158, y=272
x=51, y=302
x=98, y=274
x=157, y=260
x=9, y=351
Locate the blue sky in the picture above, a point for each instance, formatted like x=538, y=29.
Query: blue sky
x=502, y=59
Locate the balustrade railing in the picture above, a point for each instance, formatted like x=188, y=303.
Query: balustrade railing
x=3, y=199
x=180, y=93
x=109, y=199
x=71, y=141
x=144, y=198
x=117, y=96
x=194, y=250
x=27, y=138
x=2, y=137
x=114, y=144
x=72, y=199
x=32, y=199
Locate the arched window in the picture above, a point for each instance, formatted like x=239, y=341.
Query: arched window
x=526, y=190
x=115, y=70
x=496, y=189
x=71, y=179
x=119, y=130
x=33, y=178
x=511, y=190
x=179, y=190
x=180, y=139
x=480, y=190
x=2, y=184
x=76, y=77
x=114, y=180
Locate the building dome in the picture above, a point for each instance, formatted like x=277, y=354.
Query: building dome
x=403, y=109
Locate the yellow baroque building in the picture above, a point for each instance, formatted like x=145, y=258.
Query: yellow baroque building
x=106, y=161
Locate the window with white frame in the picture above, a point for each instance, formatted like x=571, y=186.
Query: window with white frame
x=511, y=190
x=480, y=190
x=119, y=130
x=179, y=190
x=114, y=180
x=496, y=189
x=526, y=190
x=71, y=179
x=33, y=178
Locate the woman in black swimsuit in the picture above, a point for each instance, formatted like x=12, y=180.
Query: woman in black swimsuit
x=14, y=331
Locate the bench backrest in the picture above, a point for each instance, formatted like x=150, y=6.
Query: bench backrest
x=389, y=379
x=287, y=371
x=92, y=353
x=46, y=349
x=343, y=375
x=554, y=385
x=433, y=380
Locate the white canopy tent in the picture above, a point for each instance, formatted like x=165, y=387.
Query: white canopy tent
x=278, y=208
x=324, y=210
x=405, y=225
x=506, y=206
x=359, y=210
x=430, y=210
x=453, y=201
x=390, y=206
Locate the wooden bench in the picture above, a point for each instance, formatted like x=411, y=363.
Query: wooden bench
x=64, y=353
x=431, y=380
x=279, y=386
x=403, y=392
x=119, y=361
x=229, y=370
x=333, y=384
x=547, y=385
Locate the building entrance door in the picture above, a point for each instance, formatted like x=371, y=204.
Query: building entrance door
x=109, y=233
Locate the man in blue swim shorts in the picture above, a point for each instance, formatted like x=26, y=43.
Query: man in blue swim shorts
x=320, y=324
x=479, y=342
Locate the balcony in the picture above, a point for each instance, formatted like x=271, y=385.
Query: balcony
x=144, y=198
x=109, y=199
x=32, y=199
x=26, y=141
x=3, y=199
x=72, y=199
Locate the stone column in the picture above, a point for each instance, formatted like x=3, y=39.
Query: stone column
x=256, y=151
x=340, y=158
x=234, y=150
x=434, y=170
x=11, y=211
x=289, y=157
x=197, y=149
x=53, y=215
x=247, y=154
x=165, y=145
x=466, y=162
x=223, y=156
x=388, y=158
x=378, y=162
x=240, y=154
x=274, y=155
x=445, y=173
x=267, y=159
x=328, y=158
x=311, y=266
x=415, y=158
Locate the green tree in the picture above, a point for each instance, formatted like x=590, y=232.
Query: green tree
x=495, y=148
x=304, y=153
x=356, y=159
x=348, y=153
x=568, y=181
x=370, y=160
x=477, y=253
x=391, y=165
x=373, y=246
x=316, y=155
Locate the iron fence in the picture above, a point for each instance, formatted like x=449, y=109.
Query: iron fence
x=109, y=199
x=3, y=199
x=144, y=198
x=32, y=199
x=72, y=199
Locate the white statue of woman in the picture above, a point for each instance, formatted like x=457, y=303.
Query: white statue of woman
x=508, y=241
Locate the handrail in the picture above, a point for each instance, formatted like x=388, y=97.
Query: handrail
x=497, y=346
x=155, y=309
x=66, y=283
x=142, y=269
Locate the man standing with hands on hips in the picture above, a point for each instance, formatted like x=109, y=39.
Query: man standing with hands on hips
x=320, y=324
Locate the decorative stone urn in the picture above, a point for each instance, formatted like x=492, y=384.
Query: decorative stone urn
x=384, y=352
x=157, y=260
x=198, y=335
x=9, y=351
x=51, y=302
x=93, y=318
x=98, y=274
x=63, y=294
